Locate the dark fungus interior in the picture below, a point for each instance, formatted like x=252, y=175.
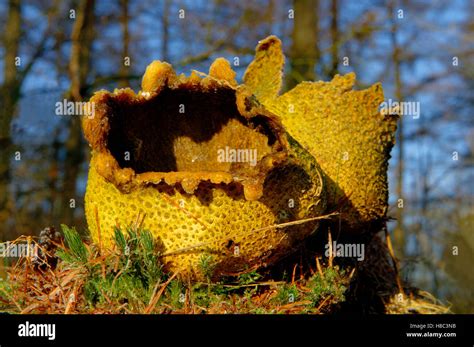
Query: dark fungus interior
x=187, y=130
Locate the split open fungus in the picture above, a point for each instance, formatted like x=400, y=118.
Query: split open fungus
x=235, y=173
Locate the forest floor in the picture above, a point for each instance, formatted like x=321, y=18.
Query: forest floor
x=74, y=277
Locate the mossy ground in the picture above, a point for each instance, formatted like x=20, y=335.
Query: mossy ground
x=131, y=279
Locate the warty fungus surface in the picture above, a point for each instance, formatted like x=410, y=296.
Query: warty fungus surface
x=235, y=172
x=158, y=155
x=342, y=128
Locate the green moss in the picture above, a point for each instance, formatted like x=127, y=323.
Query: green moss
x=127, y=276
x=286, y=294
x=207, y=266
x=332, y=285
x=176, y=294
x=6, y=290
x=249, y=278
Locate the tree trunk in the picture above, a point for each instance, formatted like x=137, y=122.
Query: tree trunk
x=10, y=91
x=165, y=30
x=304, y=52
x=79, y=64
x=399, y=233
x=124, y=65
x=333, y=70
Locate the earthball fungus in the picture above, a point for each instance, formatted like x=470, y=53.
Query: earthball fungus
x=235, y=173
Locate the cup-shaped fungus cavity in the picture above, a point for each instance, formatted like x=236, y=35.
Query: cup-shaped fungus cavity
x=203, y=166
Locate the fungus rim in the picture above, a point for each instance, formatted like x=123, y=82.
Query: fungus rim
x=159, y=77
